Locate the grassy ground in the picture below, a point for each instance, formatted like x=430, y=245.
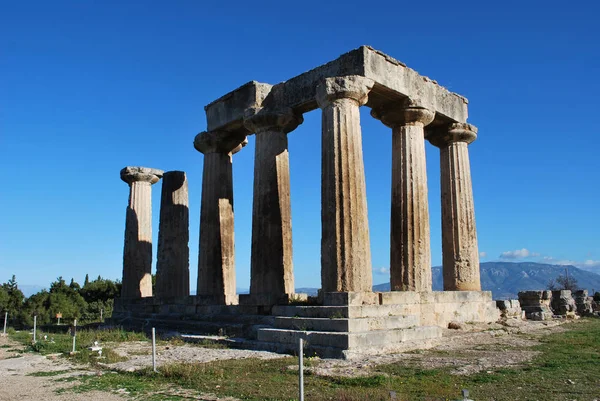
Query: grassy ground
x=567, y=368
x=53, y=343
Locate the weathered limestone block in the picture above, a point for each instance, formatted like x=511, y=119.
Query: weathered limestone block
x=562, y=303
x=345, y=246
x=410, y=249
x=216, y=258
x=459, y=235
x=536, y=304
x=271, y=261
x=173, y=261
x=137, y=251
x=583, y=303
x=509, y=308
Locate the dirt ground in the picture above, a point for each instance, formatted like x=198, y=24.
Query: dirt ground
x=16, y=384
x=471, y=349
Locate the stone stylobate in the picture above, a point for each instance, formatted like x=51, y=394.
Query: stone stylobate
x=410, y=250
x=137, y=251
x=459, y=236
x=345, y=246
x=272, y=275
x=216, y=258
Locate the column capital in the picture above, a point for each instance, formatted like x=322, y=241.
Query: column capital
x=454, y=132
x=131, y=174
x=219, y=142
x=258, y=119
x=352, y=87
x=404, y=112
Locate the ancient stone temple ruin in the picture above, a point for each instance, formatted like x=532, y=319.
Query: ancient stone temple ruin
x=347, y=317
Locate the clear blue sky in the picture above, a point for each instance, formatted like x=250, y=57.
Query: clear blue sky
x=88, y=87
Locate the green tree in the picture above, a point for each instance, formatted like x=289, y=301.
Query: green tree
x=74, y=285
x=99, y=295
x=65, y=299
x=37, y=305
x=13, y=298
x=87, y=280
x=4, y=297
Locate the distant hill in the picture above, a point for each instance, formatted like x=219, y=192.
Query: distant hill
x=506, y=279
x=29, y=290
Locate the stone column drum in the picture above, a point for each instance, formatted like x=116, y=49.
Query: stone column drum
x=137, y=251
x=173, y=261
x=345, y=247
x=271, y=275
x=459, y=235
x=216, y=258
x=410, y=249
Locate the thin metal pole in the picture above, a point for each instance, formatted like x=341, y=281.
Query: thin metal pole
x=34, y=327
x=74, y=333
x=154, y=349
x=301, y=369
x=5, y=321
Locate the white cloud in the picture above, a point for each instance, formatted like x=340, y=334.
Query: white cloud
x=519, y=254
x=565, y=262
x=483, y=255
x=381, y=270
x=591, y=263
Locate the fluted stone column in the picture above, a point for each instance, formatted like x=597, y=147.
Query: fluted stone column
x=410, y=249
x=271, y=275
x=345, y=246
x=173, y=261
x=459, y=235
x=137, y=251
x=216, y=258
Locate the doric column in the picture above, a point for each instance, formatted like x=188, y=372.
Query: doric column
x=271, y=275
x=345, y=247
x=137, y=252
x=459, y=236
x=173, y=261
x=410, y=250
x=216, y=258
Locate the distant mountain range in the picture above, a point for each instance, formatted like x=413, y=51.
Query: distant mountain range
x=506, y=279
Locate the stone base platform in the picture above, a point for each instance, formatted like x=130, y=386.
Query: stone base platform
x=341, y=325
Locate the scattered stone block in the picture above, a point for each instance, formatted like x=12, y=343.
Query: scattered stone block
x=583, y=303
x=536, y=304
x=562, y=303
x=509, y=308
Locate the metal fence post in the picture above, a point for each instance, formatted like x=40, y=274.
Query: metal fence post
x=154, y=349
x=34, y=327
x=301, y=369
x=74, y=333
x=5, y=321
